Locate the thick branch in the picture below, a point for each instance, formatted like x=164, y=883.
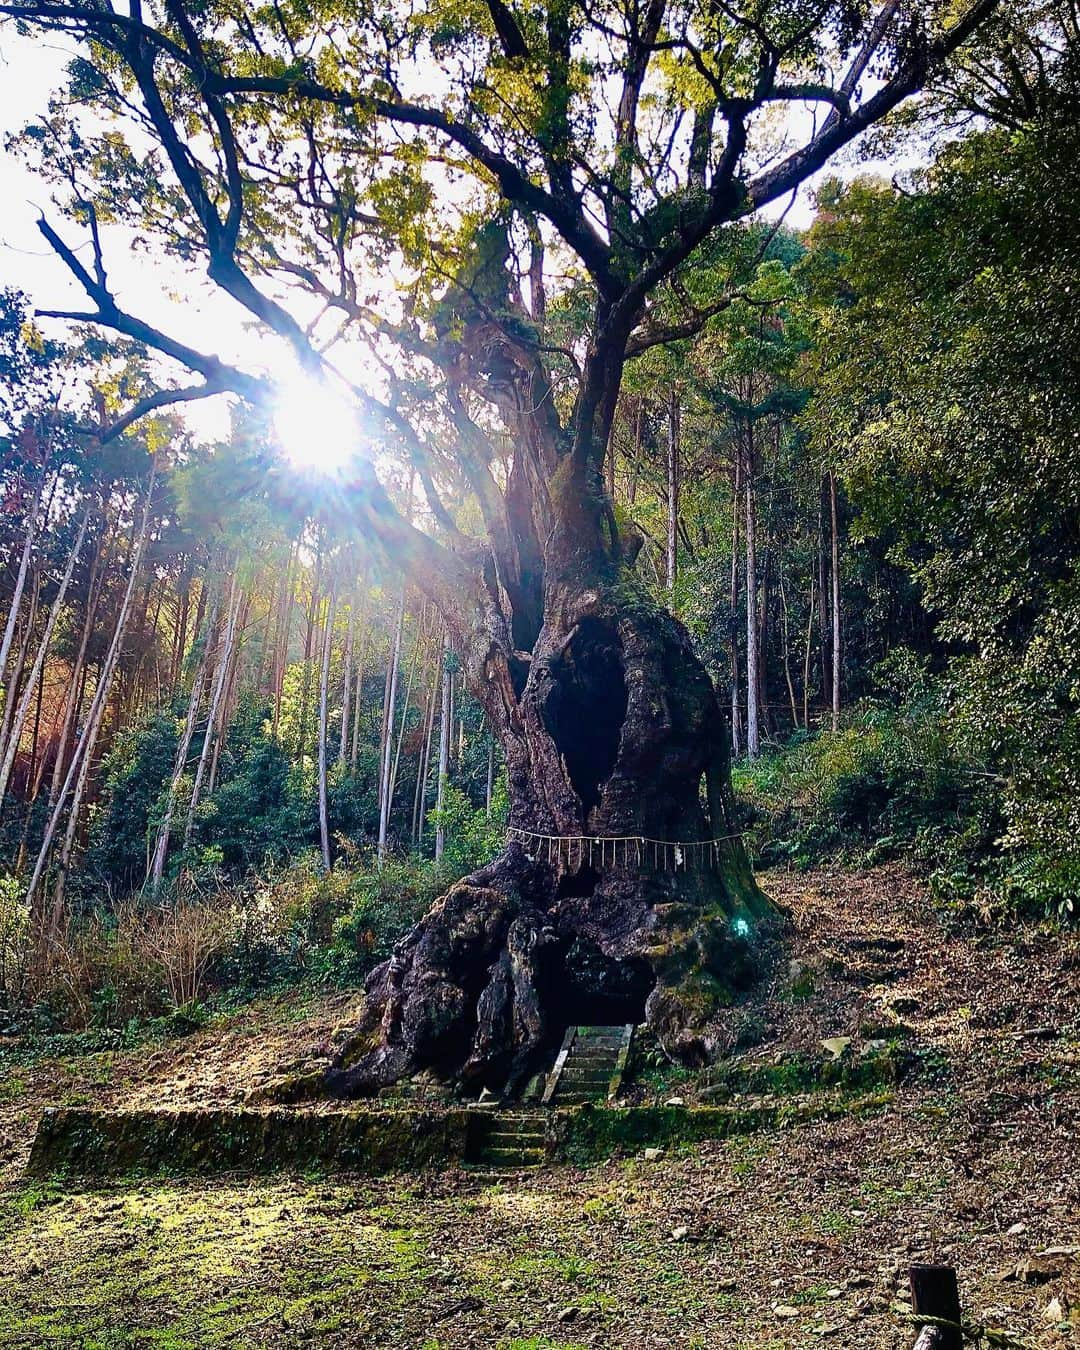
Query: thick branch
x=838, y=131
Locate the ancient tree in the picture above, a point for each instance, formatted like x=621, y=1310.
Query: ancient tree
x=499, y=201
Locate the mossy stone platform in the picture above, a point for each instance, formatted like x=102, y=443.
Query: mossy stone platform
x=85, y=1142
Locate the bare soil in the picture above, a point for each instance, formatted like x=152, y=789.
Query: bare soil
x=785, y=1238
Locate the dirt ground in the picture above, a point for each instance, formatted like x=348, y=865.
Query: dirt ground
x=785, y=1238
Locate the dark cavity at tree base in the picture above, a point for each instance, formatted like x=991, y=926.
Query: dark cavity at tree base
x=481, y=991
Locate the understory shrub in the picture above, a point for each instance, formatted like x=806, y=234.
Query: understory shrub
x=210, y=936
x=900, y=779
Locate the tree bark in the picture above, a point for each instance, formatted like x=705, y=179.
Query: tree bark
x=608, y=734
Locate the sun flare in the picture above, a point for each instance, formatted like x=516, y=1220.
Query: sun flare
x=316, y=426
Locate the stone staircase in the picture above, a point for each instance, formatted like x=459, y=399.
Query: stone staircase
x=505, y=1142
x=589, y=1066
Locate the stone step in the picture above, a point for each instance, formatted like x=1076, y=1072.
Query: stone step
x=507, y=1139
x=511, y=1157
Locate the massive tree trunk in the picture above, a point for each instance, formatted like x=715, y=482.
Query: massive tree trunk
x=610, y=901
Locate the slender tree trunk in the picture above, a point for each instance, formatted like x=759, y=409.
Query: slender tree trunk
x=37, y=671
x=224, y=656
x=34, y=775
x=281, y=644
x=82, y=755
x=435, y=688
x=423, y=757
x=444, y=751
x=346, y=683
x=309, y=643
x=20, y=576
x=672, y=496
x=490, y=777
x=785, y=634
x=358, y=699
x=764, y=637
x=164, y=833
x=823, y=589
x=836, y=649
x=228, y=706
x=15, y=684
x=179, y=642
x=807, y=652
x=733, y=620
x=386, y=747
x=753, y=733
x=73, y=699
x=405, y=714
x=324, y=727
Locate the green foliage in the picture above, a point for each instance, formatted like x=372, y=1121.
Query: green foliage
x=898, y=781
x=472, y=838
x=14, y=941
x=946, y=385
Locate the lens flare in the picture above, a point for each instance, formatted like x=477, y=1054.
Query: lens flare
x=316, y=426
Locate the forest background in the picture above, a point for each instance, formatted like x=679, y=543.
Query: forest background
x=233, y=748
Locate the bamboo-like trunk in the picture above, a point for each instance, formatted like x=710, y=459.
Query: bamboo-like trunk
x=18, y=721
